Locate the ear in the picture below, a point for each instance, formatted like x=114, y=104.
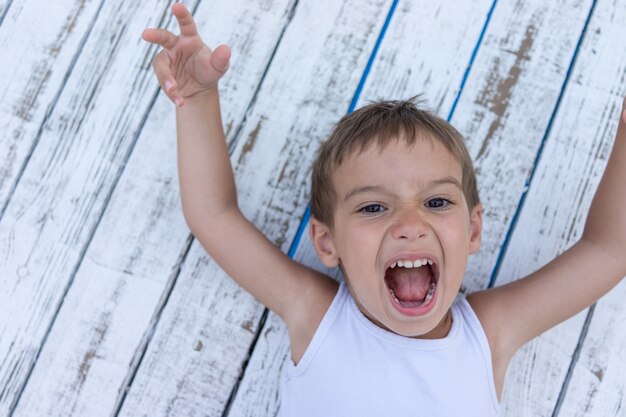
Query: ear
x=476, y=227
x=323, y=242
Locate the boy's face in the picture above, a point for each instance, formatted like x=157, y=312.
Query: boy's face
x=404, y=203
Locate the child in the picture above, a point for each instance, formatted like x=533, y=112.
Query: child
x=395, y=206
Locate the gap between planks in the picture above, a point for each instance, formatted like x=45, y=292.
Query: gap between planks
x=7, y=6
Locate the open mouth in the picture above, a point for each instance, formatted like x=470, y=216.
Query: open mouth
x=412, y=283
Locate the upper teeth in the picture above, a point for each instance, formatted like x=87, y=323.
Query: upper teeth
x=412, y=264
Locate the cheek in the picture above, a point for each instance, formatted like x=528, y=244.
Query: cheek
x=357, y=250
x=457, y=234
x=359, y=246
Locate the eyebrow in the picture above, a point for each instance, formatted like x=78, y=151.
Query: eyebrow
x=380, y=189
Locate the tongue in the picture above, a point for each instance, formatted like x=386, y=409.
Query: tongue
x=409, y=284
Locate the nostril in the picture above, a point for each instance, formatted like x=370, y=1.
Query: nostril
x=407, y=231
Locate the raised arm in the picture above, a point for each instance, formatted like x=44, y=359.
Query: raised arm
x=517, y=312
x=189, y=71
x=606, y=223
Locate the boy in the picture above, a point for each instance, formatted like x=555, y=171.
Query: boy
x=394, y=204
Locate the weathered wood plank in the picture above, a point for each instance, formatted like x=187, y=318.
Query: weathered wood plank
x=513, y=108
x=553, y=219
x=124, y=296
x=203, y=337
x=598, y=387
x=38, y=41
x=506, y=107
x=408, y=62
x=520, y=65
x=56, y=205
x=127, y=272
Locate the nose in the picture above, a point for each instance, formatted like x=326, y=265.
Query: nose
x=411, y=224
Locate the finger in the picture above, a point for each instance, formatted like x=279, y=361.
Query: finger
x=220, y=58
x=185, y=20
x=160, y=37
x=161, y=66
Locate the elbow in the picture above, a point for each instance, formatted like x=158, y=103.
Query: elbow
x=199, y=215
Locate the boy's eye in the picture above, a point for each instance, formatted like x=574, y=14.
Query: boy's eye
x=372, y=209
x=438, y=203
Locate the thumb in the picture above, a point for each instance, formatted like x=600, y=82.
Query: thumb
x=220, y=58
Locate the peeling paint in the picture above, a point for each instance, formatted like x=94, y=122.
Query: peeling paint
x=42, y=72
x=85, y=365
x=96, y=341
x=499, y=103
x=229, y=127
x=600, y=374
x=252, y=136
x=247, y=325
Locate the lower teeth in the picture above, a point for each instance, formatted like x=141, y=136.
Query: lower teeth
x=429, y=296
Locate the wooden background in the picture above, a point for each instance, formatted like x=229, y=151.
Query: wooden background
x=109, y=307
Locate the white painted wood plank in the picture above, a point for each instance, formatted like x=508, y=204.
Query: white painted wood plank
x=425, y=51
x=127, y=271
x=408, y=62
x=308, y=86
x=506, y=107
x=38, y=41
x=553, y=219
x=512, y=109
x=64, y=188
x=520, y=65
x=598, y=384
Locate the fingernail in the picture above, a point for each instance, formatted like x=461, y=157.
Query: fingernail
x=168, y=85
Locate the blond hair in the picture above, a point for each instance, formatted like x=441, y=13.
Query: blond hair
x=380, y=123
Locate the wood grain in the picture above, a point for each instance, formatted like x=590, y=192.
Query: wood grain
x=39, y=42
x=64, y=187
x=506, y=106
x=126, y=274
x=108, y=307
x=512, y=96
x=559, y=197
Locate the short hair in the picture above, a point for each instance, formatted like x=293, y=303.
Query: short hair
x=380, y=123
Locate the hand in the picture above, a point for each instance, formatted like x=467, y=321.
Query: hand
x=186, y=67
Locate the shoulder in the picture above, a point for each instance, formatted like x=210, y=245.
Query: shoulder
x=307, y=315
x=487, y=309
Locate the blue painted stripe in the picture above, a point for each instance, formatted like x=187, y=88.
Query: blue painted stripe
x=6, y=11
x=357, y=94
x=529, y=180
x=303, y=224
x=472, y=58
x=368, y=67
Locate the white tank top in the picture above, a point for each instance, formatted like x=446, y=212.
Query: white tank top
x=354, y=368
